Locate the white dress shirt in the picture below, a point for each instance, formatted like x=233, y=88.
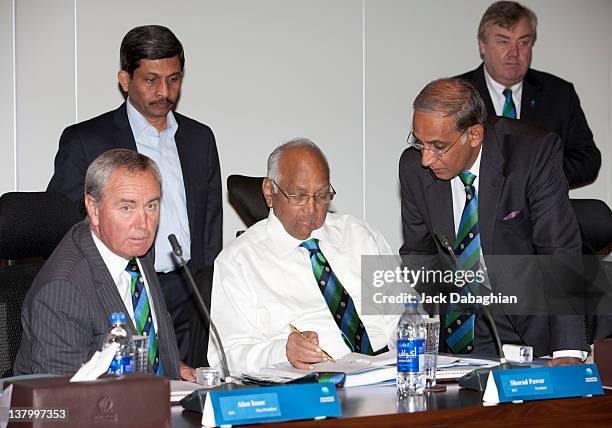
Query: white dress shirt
x=263, y=280
x=161, y=147
x=496, y=90
x=459, y=196
x=116, y=266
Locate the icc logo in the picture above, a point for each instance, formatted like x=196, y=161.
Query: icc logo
x=589, y=371
x=105, y=405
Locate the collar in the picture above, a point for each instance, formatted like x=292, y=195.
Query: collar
x=497, y=87
x=475, y=168
x=114, y=263
x=281, y=243
x=139, y=124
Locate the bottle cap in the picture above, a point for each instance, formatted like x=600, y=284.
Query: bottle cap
x=117, y=317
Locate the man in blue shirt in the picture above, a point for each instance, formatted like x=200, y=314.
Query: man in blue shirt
x=152, y=61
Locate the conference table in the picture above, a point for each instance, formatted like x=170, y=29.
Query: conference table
x=379, y=406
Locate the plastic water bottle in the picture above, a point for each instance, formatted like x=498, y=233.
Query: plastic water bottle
x=411, y=352
x=124, y=360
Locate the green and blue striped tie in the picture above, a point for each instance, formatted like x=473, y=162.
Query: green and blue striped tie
x=338, y=300
x=142, y=314
x=459, y=321
x=509, y=109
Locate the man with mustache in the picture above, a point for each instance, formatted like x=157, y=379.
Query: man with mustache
x=152, y=61
x=103, y=265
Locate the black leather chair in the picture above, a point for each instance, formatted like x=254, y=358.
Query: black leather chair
x=247, y=198
x=31, y=226
x=595, y=221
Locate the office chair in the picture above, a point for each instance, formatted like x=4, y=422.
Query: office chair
x=247, y=198
x=595, y=221
x=31, y=225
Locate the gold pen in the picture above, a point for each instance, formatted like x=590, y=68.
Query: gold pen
x=325, y=354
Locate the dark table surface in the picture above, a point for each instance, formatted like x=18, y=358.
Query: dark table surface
x=379, y=406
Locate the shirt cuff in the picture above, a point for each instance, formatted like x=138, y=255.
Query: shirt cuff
x=570, y=353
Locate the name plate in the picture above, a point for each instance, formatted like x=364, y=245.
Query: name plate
x=271, y=404
x=542, y=383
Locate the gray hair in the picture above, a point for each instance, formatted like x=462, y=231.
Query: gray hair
x=275, y=157
x=506, y=14
x=452, y=97
x=100, y=171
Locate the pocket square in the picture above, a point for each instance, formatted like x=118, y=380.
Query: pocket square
x=511, y=215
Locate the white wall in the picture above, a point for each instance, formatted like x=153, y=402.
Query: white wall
x=261, y=72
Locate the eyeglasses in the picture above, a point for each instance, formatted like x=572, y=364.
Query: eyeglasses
x=414, y=142
x=322, y=197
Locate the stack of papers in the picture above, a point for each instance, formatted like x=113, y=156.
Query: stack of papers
x=363, y=369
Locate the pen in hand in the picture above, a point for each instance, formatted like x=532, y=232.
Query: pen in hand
x=325, y=354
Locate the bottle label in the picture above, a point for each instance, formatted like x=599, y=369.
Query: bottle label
x=410, y=355
x=121, y=364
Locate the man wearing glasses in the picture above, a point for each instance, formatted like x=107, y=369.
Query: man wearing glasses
x=300, y=266
x=474, y=189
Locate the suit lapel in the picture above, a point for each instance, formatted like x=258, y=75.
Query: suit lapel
x=490, y=186
x=531, y=98
x=440, y=205
x=105, y=286
x=188, y=169
x=479, y=82
x=124, y=137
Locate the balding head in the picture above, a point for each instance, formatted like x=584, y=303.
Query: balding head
x=452, y=97
x=298, y=167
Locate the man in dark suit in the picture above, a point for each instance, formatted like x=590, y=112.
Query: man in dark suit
x=152, y=63
x=65, y=315
x=506, y=35
x=494, y=189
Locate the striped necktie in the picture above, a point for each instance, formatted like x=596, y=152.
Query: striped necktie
x=142, y=314
x=338, y=300
x=509, y=109
x=459, y=322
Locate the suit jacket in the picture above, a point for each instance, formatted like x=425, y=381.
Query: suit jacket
x=552, y=103
x=520, y=170
x=83, y=142
x=65, y=315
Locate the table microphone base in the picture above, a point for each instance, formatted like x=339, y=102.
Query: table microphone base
x=476, y=380
x=196, y=400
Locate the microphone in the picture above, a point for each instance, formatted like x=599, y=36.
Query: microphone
x=477, y=379
x=178, y=252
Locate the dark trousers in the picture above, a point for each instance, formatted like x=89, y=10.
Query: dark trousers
x=177, y=295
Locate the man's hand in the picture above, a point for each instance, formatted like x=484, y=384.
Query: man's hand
x=563, y=361
x=187, y=373
x=302, y=353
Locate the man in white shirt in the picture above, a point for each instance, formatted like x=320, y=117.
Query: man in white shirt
x=103, y=265
x=284, y=269
x=489, y=189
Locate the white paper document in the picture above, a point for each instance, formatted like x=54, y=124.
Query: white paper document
x=364, y=369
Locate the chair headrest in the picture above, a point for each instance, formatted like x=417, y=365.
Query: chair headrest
x=33, y=223
x=247, y=192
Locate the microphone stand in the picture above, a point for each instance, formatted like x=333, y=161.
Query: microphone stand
x=477, y=379
x=195, y=401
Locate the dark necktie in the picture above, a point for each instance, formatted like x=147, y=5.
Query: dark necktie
x=142, y=314
x=459, y=322
x=338, y=300
x=509, y=109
